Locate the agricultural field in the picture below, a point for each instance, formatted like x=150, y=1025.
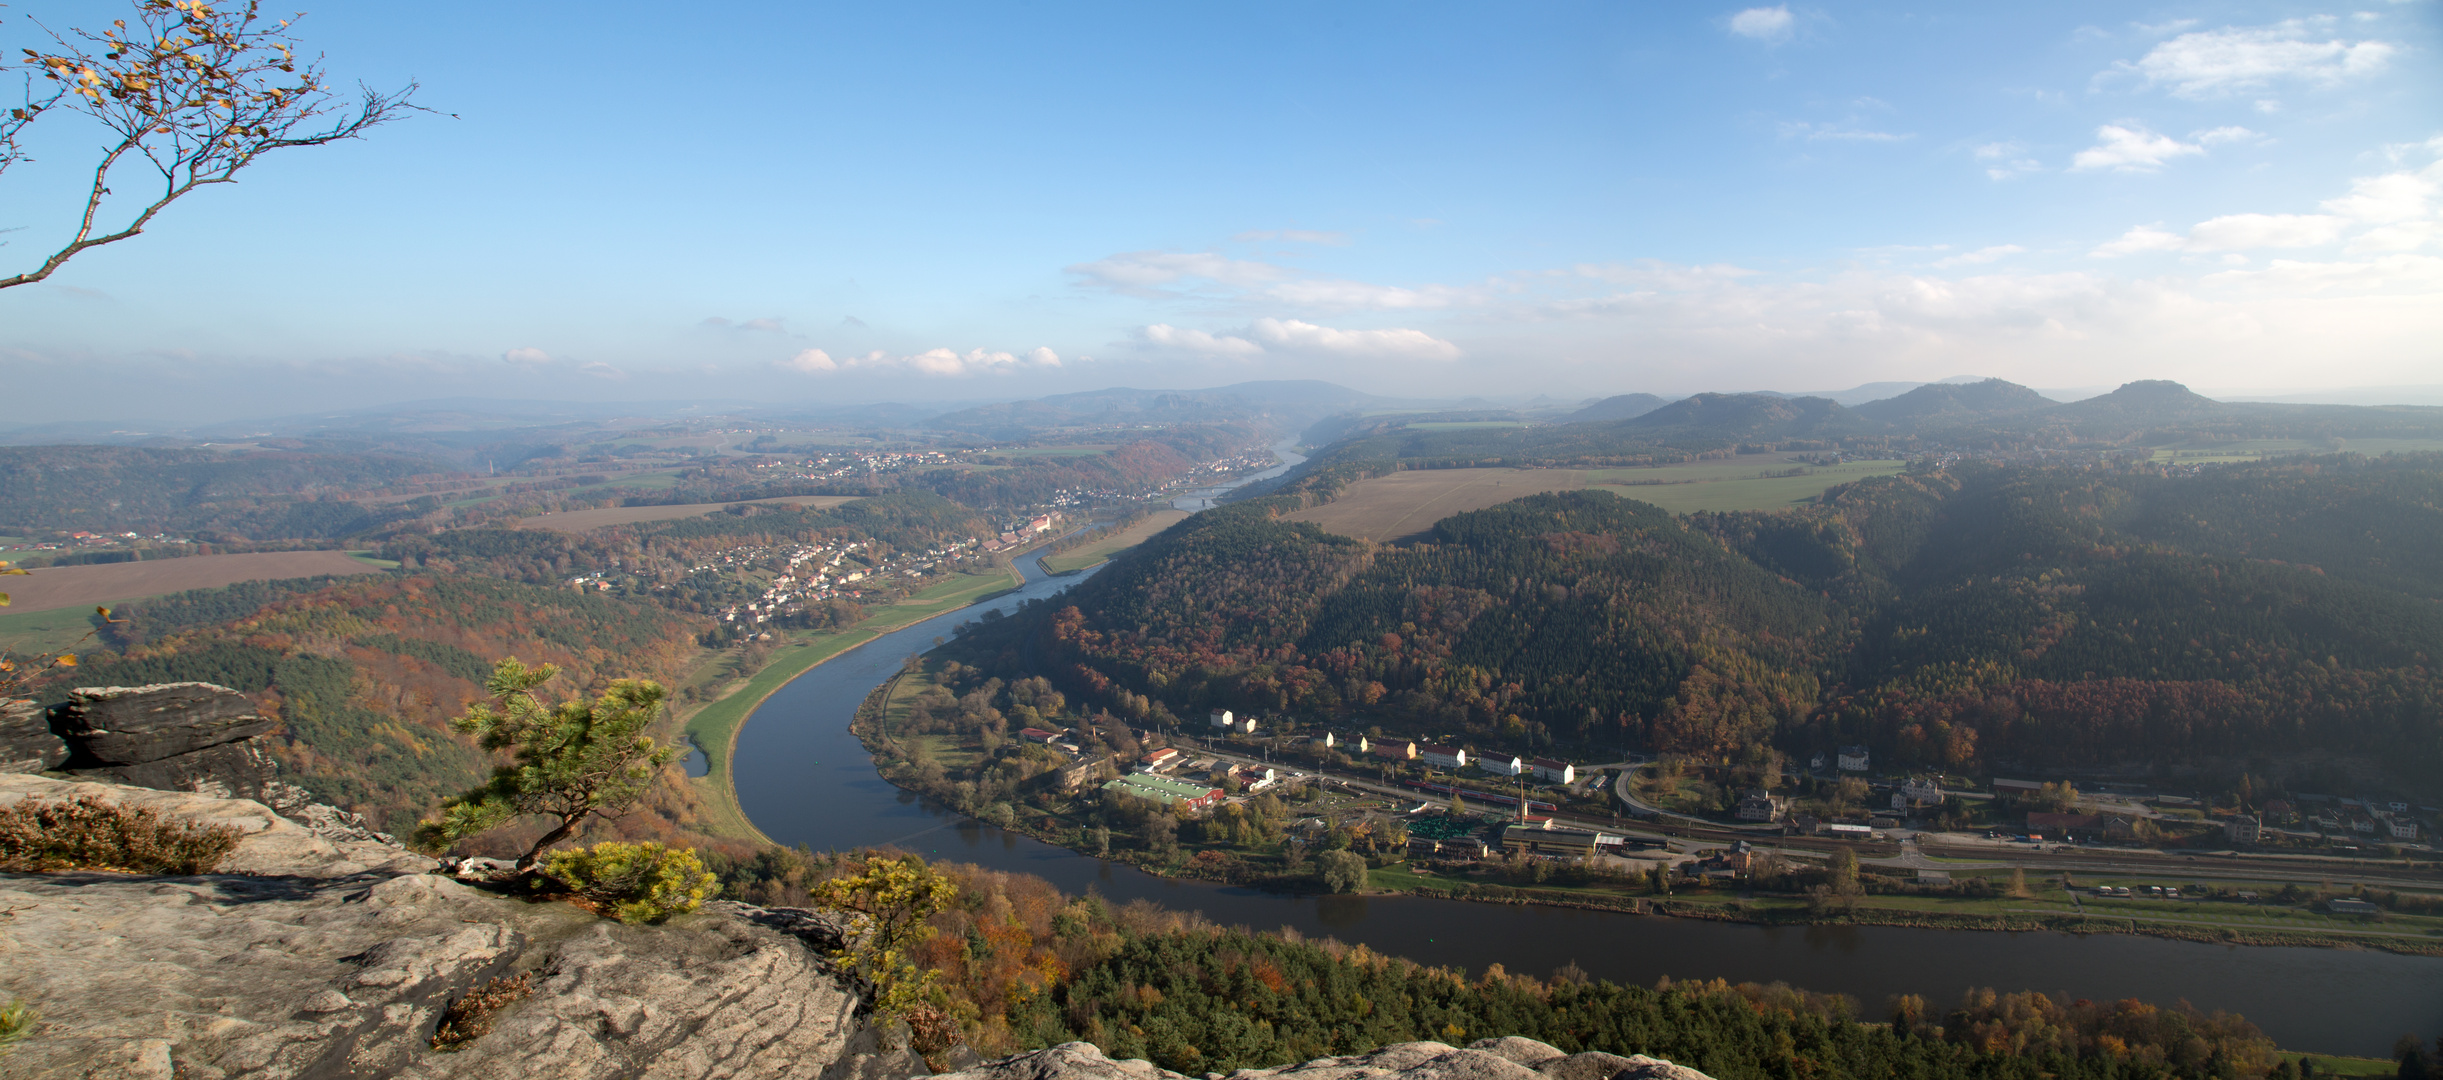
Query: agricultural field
x=56, y=630
x=1113, y=544
x=2243, y=450
x=583, y=520
x=1406, y=504
x=1738, y=483
x=81, y=587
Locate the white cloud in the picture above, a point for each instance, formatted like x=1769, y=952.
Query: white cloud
x=1343, y=295
x=1800, y=129
x=2007, y=159
x=1293, y=236
x=526, y=357
x=1164, y=335
x=2289, y=278
x=2398, y=196
x=2129, y=147
x=939, y=362
x=809, y=362
x=771, y=325
x=1144, y=271
x=2227, y=134
x=1296, y=337
x=2230, y=232
x=2142, y=238
x=600, y=370
x=1980, y=256
x=2216, y=63
x=2244, y=232
x=1763, y=24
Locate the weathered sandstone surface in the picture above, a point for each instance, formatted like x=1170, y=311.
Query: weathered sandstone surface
x=323, y=958
x=1510, y=1058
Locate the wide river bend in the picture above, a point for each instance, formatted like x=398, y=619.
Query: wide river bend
x=804, y=779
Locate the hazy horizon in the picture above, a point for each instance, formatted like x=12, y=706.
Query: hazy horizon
x=970, y=204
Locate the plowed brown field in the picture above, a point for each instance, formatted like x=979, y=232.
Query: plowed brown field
x=111, y=583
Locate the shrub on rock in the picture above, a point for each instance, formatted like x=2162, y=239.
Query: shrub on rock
x=637, y=883
x=91, y=834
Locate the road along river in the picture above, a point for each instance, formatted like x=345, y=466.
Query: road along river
x=804, y=779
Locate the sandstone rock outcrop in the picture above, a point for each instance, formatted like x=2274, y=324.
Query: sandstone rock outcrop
x=26, y=742
x=320, y=958
x=1511, y=1058
x=189, y=736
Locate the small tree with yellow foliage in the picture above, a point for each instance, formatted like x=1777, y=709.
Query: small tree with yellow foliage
x=891, y=896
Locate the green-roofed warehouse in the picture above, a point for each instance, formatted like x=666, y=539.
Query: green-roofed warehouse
x=1169, y=792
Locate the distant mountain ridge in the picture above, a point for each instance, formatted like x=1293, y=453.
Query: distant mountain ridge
x=1617, y=407
x=1955, y=401
x=1754, y=416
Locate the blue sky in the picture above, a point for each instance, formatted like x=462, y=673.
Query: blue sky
x=861, y=202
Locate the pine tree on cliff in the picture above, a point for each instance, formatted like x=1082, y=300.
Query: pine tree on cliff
x=573, y=760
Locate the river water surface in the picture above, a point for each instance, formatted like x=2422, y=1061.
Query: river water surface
x=804, y=779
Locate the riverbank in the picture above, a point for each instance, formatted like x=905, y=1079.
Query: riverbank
x=713, y=727
x=1100, y=551
x=1226, y=854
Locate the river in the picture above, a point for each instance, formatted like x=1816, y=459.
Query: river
x=804, y=779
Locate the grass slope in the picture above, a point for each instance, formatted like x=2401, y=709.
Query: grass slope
x=715, y=726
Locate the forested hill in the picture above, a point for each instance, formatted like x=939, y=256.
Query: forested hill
x=259, y=493
x=365, y=672
x=1948, y=617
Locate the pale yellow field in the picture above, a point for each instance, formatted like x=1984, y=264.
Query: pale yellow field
x=582, y=520
x=1406, y=504
x=1108, y=546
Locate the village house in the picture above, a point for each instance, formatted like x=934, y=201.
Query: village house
x=1161, y=761
x=1400, y=750
x=1558, y=772
x=1177, y=794
x=1916, y=792
x=1073, y=777
x=2018, y=788
x=1445, y=756
x=1037, y=735
x=2242, y=829
x=1325, y=741
x=1853, y=759
x=2401, y=828
x=1254, y=778
x=1504, y=764
x=1758, y=804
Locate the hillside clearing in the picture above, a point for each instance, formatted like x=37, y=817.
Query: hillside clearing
x=1113, y=544
x=1404, y=505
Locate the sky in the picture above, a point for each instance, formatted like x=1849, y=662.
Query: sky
x=831, y=204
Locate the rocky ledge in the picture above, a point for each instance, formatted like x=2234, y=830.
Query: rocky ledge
x=337, y=958
x=1510, y=1058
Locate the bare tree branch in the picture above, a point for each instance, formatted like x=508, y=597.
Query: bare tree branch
x=198, y=92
